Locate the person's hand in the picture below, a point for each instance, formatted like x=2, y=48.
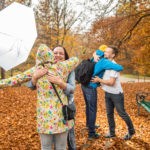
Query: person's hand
x=96, y=57
x=39, y=72
x=56, y=80
x=96, y=79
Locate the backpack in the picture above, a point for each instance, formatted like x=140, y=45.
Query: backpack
x=84, y=72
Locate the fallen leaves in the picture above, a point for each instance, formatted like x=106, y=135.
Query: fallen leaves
x=18, y=121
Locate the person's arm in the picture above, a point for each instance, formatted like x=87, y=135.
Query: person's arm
x=18, y=79
x=30, y=85
x=67, y=87
x=38, y=73
x=105, y=64
x=68, y=65
x=109, y=65
x=57, y=80
x=70, y=84
x=109, y=82
x=97, y=55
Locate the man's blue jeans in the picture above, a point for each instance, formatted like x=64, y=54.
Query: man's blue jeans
x=117, y=101
x=90, y=97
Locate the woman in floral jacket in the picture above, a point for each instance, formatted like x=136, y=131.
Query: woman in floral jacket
x=50, y=119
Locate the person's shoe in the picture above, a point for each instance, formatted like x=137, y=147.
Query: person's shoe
x=128, y=136
x=95, y=136
x=109, y=135
x=97, y=126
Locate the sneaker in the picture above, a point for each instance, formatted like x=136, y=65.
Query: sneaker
x=95, y=136
x=128, y=136
x=97, y=126
x=109, y=135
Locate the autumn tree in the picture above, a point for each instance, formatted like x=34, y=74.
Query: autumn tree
x=125, y=29
x=93, y=9
x=58, y=17
x=136, y=39
x=25, y=2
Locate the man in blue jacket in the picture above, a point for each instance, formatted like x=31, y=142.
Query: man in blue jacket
x=90, y=91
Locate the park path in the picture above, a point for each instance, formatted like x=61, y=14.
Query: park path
x=126, y=79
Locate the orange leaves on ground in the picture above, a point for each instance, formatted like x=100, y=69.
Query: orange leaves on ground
x=18, y=121
x=141, y=140
x=17, y=115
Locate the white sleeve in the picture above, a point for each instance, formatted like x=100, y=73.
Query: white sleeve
x=113, y=74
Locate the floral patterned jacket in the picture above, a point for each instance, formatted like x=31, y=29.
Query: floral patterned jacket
x=50, y=119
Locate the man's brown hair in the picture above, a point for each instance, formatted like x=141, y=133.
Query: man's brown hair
x=115, y=49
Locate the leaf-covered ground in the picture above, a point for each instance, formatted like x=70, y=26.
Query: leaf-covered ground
x=18, y=121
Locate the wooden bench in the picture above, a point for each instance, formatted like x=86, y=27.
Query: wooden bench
x=141, y=99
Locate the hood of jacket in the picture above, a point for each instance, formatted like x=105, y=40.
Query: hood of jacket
x=44, y=55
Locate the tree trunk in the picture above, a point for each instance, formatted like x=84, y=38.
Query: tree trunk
x=2, y=4
x=2, y=73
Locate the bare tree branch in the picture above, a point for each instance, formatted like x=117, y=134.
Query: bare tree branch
x=128, y=35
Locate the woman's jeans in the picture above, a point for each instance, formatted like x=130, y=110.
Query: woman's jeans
x=71, y=139
x=90, y=97
x=58, y=140
x=117, y=101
